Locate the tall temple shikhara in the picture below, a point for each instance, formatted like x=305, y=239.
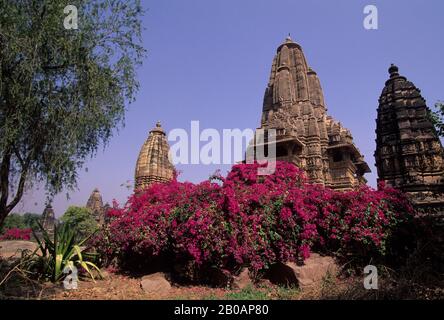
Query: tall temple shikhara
x=409, y=154
x=153, y=164
x=305, y=135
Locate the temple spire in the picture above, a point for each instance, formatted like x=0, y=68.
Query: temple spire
x=48, y=220
x=393, y=71
x=153, y=164
x=409, y=154
x=95, y=205
x=294, y=106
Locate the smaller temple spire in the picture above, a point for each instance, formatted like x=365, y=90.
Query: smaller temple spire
x=48, y=218
x=95, y=205
x=153, y=164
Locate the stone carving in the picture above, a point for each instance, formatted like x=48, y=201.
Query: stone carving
x=409, y=154
x=153, y=164
x=306, y=135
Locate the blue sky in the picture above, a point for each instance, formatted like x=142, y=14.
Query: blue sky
x=210, y=61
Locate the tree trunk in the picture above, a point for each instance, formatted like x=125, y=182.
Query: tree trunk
x=2, y=218
x=5, y=168
x=4, y=185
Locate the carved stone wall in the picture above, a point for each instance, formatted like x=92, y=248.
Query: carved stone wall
x=409, y=154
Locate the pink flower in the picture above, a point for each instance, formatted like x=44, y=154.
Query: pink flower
x=251, y=220
x=16, y=234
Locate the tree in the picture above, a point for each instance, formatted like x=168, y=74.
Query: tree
x=19, y=221
x=437, y=118
x=14, y=220
x=62, y=91
x=31, y=220
x=80, y=220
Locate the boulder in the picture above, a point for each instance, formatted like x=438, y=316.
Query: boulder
x=242, y=280
x=310, y=274
x=155, y=283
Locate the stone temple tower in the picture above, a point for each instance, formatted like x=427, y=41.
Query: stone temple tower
x=95, y=205
x=305, y=135
x=48, y=219
x=409, y=154
x=153, y=164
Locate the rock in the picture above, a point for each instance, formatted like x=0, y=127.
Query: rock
x=310, y=274
x=155, y=283
x=13, y=248
x=242, y=280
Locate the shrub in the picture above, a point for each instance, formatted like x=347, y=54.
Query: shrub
x=16, y=234
x=265, y=216
x=15, y=220
x=362, y=221
x=59, y=253
x=250, y=220
x=80, y=220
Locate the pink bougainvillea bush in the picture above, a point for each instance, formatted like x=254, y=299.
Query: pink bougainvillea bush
x=16, y=234
x=360, y=222
x=250, y=220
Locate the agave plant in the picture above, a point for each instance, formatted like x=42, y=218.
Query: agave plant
x=62, y=251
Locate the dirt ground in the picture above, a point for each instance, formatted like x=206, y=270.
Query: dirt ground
x=114, y=287
x=123, y=287
x=15, y=284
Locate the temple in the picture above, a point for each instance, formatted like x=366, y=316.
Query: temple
x=409, y=154
x=48, y=220
x=153, y=164
x=305, y=135
x=95, y=205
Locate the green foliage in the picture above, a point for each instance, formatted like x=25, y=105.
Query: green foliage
x=249, y=293
x=62, y=92
x=60, y=252
x=287, y=293
x=31, y=220
x=80, y=221
x=15, y=220
x=437, y=118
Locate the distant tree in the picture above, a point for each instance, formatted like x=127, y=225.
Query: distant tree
x=63, y=89
x=14, y=220
x=437, y=117
x=80, y=220
x=20, y=221
x=31, y=220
